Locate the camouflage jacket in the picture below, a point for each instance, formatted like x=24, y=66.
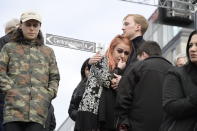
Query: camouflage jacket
x=29, y=77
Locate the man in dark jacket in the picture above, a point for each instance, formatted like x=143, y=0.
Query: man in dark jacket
x=134, y=27
x=9, y=29
x=139, y=96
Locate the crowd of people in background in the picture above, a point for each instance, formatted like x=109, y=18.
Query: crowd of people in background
x=150, y=94
x=129, y=88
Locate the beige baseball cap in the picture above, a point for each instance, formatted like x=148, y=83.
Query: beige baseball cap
x=29, y=15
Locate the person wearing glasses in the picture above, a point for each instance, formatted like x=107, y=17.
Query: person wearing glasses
x=97, y=108
x=29, y=76
x=139, y=93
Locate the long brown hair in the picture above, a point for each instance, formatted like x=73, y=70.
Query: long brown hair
x=109, y=53
x=17, y=36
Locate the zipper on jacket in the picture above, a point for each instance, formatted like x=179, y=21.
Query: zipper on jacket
x=30, y=73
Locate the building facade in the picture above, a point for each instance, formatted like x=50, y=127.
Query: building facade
x=172, y=39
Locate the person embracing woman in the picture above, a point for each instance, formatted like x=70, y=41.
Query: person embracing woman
x=96, y=110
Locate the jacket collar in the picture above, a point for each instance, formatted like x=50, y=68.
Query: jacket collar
x=137, y=40
x=158, y=57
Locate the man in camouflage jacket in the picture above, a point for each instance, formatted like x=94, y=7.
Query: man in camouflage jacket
x=29, y=76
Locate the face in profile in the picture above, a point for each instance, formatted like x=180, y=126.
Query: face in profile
x=193, y=49
x=30, y=29
x=121, y=52
x=129, y=27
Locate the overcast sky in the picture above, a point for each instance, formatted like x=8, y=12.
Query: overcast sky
x=90, y=20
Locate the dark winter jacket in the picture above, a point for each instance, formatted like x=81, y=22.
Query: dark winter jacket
x=139, y=96
x=107, y=106
x=5, y=39
x=78, y=92
x=50, y=123
x=136, y=43
x=180, y=99
x=76, y=98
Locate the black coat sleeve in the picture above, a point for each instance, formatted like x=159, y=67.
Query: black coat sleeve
x=75, y=100
x=5, y=39
x=175, y=102
x=125, y=95
x=50, y=123
x=53, y=120
x=72, y=110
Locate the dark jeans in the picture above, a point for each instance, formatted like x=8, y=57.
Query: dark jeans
x=23, y=126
